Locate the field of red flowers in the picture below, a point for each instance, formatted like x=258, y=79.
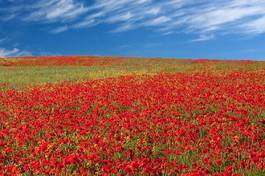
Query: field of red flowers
x=59, y=60
x=199, y=123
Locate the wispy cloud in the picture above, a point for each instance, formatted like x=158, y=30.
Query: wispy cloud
x=203, y=37
x=256, y=26
x=166, y=17
x=120, y=17
x=8, y=17
x=188, y=16
x=158, y=21
x=55, y=10
x=2, y=40
x=13, y=52
x=85, y=23
x=59, y=29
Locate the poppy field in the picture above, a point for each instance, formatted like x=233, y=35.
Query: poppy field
x=127, y=116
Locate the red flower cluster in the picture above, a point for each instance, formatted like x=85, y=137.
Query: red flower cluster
x=182, y=124
x=60, y=61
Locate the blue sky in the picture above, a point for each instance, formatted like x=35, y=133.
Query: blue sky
x=217, y=29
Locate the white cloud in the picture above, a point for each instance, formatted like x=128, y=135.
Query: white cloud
x=157, y=21
x=203, y=37
x=188, y=16
x=153, y=11
x=8, y=17
x=55, y=10
x=166, y=17
x=223, y=17
x=59, y=29
x=256, y=26
x=125, y=27
x=13, y=52
x=85, y=23
x=120, y=17
x=2, y=40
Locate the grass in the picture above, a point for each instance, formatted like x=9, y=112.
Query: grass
x=23, y=76
x=17, y=77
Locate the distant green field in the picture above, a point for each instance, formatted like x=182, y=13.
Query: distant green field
x=21, y=76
